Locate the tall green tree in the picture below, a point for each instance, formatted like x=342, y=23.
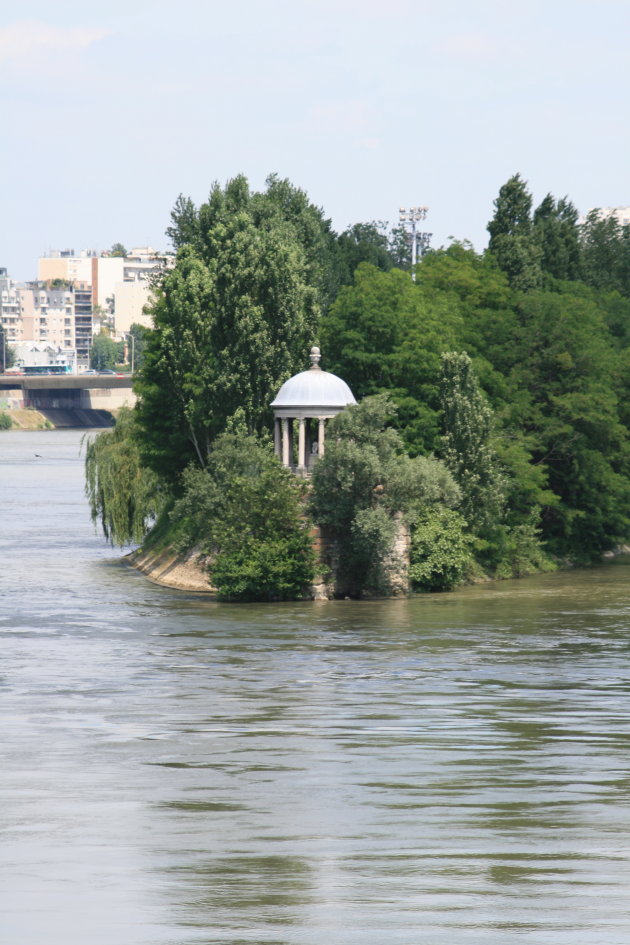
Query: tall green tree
x=184, y=228
x=557, y=234
x=232, y=320
x=104, y=353
x=512, y=240
x=606, y=252
x=567, y=375
x=467, y=446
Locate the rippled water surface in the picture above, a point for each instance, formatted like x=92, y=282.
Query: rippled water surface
x=451, y=770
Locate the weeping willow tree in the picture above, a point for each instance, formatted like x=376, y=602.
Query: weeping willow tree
x=124, y=496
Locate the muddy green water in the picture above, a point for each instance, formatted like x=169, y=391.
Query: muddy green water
x=451, y=770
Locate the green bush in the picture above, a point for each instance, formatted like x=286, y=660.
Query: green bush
x=441, y=555
x=364, y=485
x=5, y=421
x=276, y=568
x=521, y=551
x=245, y=513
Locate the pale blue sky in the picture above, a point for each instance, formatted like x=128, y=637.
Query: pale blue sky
x=109, y=111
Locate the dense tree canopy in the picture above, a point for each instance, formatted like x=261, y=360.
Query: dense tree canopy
x=233, y=319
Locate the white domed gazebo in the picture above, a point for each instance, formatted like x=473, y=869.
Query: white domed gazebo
x=306, y=397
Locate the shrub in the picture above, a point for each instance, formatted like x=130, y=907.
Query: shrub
x=364, y=484
x=441, y=555
x=245, y=512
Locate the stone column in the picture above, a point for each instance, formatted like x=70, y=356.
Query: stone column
x=321, y=436
x=307, y=447
x=285, y=442
x=277, y=438
x=302, y=446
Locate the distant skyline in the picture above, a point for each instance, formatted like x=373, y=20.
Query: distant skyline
x=110, y=112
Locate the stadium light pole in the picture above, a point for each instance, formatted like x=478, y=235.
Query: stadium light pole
x=409, y=219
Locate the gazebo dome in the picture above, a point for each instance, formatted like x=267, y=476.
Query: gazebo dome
x=313, y=393
x=309, y=399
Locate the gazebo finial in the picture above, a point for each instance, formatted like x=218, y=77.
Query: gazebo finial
x=315, y=357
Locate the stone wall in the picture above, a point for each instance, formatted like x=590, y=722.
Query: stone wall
x=327, y=585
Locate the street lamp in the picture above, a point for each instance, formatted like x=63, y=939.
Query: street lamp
x=128, y=334
x=408, y=219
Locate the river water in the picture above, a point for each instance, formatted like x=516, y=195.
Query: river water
x=449, y=770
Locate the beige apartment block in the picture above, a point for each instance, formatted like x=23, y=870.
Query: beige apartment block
x=131, y=298
x=63, y=264
x=31, y=312
x=120, y=285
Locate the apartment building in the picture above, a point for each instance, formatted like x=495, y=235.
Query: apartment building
x=121, y=285
x=59, y=316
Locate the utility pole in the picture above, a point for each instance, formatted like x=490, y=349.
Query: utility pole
x=408, y=219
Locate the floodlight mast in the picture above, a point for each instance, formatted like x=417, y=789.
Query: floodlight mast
x=408, y=218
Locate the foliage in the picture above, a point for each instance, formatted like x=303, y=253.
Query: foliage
x=137, y=348
x=557, y=235
x=124, y=496
x=232, y=320
x=118, y=250
x=364, y=484
x=520, y=549
x=5, y=421
x=605, y=249
x=567, y=371
x=364, y=243
x=466, y=444
x=8, y=354
x=385, y=334
x=245, y=511
x=512, y=240
x=441, y=550
x=104, y=353
x=536, y=419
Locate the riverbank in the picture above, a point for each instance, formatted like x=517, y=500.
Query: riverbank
x=23, y=418
x=188, y=573
x=164, y=567
x=26, y=418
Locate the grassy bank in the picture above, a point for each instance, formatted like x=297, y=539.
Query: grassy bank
x=24, y=419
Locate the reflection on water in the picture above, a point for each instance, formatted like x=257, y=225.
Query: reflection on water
x=451, y=770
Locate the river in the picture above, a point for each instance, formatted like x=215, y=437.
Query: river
x=448, y=770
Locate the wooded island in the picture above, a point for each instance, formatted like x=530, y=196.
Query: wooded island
x=492, y=418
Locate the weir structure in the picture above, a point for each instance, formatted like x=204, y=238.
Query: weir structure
x=308, y=399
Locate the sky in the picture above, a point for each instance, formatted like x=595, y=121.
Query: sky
x=110, y=111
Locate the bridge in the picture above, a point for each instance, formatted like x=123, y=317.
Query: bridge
x=69, y=399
